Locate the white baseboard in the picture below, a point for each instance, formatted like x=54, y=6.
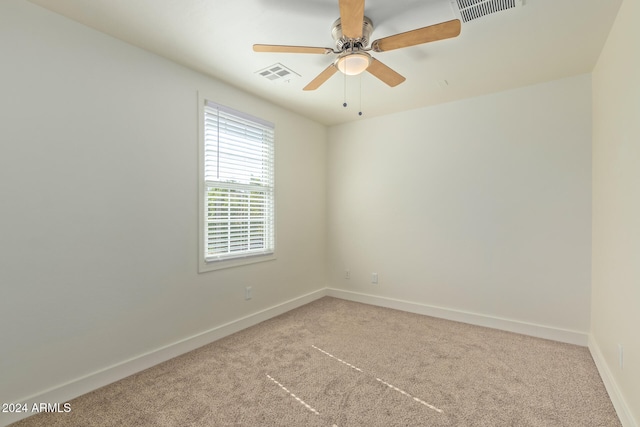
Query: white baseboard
x=72, y=389
x=93, y=381
x=539, y=331
x=619, y=403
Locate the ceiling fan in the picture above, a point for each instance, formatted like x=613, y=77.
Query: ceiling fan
x=351, y=33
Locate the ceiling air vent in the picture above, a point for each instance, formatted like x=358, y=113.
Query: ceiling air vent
x=474, y=9
x=278, y=73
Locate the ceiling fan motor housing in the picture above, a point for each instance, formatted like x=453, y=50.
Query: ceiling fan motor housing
x=344, y=43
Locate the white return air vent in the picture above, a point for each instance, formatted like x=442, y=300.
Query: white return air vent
x=278, y=73
x=474, y=9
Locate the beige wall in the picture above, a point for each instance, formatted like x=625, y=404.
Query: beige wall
x=481, y=206
x=616, y=206
x=98, y=185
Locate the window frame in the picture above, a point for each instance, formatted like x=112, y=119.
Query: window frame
x=206, y=263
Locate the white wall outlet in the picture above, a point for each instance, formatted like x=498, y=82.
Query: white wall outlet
x=347, y=274
x=247, y=292
x=374, y=278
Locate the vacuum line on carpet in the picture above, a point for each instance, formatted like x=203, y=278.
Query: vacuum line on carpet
x=408, y=395
x=306, y=405
x=339, y=360
x=378, y=379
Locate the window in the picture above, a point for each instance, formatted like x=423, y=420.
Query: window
x=237, y=186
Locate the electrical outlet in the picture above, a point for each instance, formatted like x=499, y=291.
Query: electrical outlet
x=374, y=278
x=347, y=274
x=247, y=293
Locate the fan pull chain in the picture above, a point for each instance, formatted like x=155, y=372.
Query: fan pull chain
x=360, y=95
x=344, y=104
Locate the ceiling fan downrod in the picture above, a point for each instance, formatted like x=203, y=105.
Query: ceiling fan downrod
x=343, y=43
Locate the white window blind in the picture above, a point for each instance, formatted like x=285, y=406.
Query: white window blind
x=239, y=184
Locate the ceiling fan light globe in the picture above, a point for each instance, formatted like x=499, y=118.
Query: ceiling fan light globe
x=353, y=64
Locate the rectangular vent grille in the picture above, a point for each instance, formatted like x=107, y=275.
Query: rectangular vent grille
x=474, y=9
x=278, y=73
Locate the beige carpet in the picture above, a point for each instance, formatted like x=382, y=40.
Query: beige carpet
x=340, y=363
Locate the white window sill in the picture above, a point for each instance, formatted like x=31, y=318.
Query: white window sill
x=213, y=265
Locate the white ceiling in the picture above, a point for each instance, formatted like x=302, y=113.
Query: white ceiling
x=537, y=41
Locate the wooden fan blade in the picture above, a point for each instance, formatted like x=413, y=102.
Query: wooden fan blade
x=385, y=73
x=352, y=18
x=432, y=33
x=321, y=78
x=291, y=49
